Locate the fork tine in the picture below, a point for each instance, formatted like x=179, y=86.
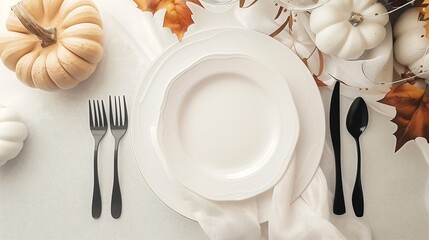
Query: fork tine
x=116, y=111
x=104, y=114
x=91, y=123
x=126, y=113
x=120, y=111
x=100, y=117
x=94, y=107
x=111, y=112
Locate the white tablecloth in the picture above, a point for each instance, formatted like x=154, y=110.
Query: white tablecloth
x=45, y=193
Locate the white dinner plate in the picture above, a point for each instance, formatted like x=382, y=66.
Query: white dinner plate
x=228, y=127
x=269, y=52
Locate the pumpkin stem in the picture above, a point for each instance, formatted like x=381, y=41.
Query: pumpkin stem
x=46, y=35
x=356, y=19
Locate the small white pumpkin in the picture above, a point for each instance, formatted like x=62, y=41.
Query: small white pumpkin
x=411, y=47
x=347, y=28
x=52, y=44
x=13, y=132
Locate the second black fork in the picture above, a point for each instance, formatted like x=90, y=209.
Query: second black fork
x=118, y=127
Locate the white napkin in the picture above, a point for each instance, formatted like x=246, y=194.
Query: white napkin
x=308, y=217
x=305, y=218
x=225, y=220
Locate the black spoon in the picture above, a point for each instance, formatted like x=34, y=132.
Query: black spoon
x=356, y=122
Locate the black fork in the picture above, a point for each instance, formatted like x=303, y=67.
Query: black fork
x=98, y=127
x=118, y=127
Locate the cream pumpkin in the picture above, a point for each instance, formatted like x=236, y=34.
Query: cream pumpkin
x=52, y=44
x=411, y=46
x=347, y=28
x=13, y=132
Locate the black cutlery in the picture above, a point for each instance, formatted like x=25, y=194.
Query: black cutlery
x=356, y=122
x=334, y=121
x=98, y=126
x=118, y=127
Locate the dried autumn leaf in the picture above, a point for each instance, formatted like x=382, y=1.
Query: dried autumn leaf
x=243, y=1
x=319, y=82
x=423, y=7
x=426, y=26
x=177, y=17
x=412, y=112
x=410, y=77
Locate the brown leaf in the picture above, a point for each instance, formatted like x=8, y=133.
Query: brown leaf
x=281, y=28
x=319, y=82
x=177, y=17
x=412, y=112
x=423, y=7
x=321, y=63
x=410, y=77
x=243, y=1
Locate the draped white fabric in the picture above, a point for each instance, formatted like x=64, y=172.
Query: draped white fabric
x=225, y=220
x=308, y=217
x=305, y=218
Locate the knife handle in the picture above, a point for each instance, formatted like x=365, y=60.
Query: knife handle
x=339, y=205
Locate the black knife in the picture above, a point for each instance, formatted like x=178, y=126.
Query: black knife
x=334, y=123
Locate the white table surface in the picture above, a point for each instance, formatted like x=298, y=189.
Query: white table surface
x=45, y=192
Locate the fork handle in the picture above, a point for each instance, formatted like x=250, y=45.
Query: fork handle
x=96, y=195
x=116, y=207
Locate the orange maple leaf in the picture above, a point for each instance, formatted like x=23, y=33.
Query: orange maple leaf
x=412, y=112
x=177, y=17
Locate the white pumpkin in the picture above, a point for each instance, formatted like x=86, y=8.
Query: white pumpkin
x=347, y=28
x=13, y=132
x=411, y=47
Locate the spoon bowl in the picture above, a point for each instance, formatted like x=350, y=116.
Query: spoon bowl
x=357, y=118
